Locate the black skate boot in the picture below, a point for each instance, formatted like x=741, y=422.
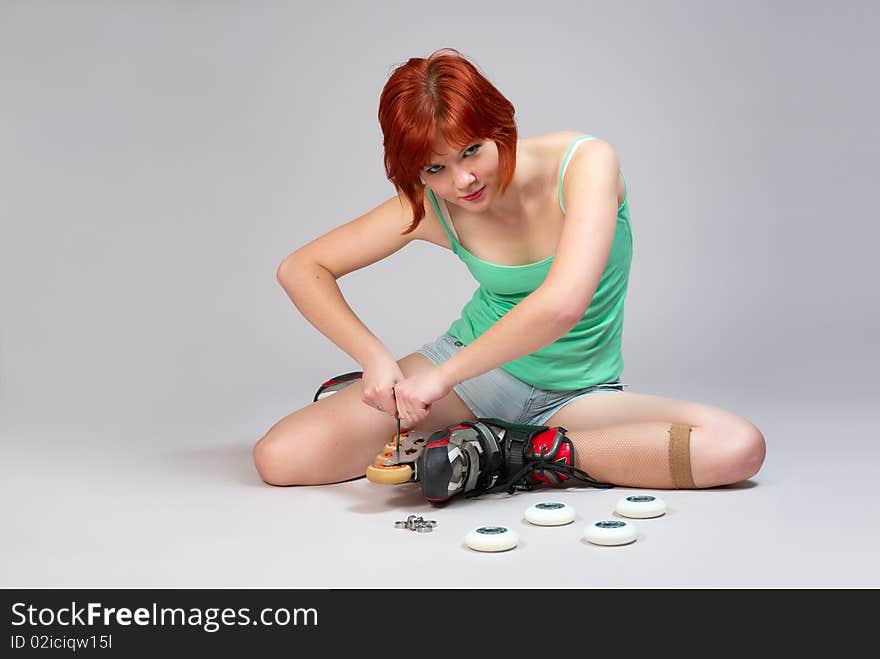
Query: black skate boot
x=491, y=455
x=337, y=384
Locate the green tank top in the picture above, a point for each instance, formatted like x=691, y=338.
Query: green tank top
x=587, y=355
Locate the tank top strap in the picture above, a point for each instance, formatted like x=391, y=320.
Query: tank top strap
x=568, y=155
x=453, y=239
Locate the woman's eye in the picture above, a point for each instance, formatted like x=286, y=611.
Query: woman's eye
x=431, y=170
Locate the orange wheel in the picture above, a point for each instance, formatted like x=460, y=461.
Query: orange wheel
x=394, y=475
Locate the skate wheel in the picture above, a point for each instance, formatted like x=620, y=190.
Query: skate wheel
x=550, y=513
x=394, y=475
x=385, y=455
x=392, y=445
x=641, y=506
x=610, y=532
x=491, y=538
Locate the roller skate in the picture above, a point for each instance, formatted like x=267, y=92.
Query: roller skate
x=472, y=457
x=480, y=457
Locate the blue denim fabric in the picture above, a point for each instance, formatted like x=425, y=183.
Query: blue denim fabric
x=498, y=394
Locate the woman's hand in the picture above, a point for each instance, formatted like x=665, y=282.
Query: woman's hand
x=416, y=394
x=379, y=379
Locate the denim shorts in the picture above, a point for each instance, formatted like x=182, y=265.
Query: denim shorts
x=499, y=395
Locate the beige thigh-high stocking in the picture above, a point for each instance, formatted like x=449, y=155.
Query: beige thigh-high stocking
x=654, y=454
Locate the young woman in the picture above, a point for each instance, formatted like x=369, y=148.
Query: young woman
x=543, y=224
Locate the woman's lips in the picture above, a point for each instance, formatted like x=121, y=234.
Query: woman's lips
x=476, y=195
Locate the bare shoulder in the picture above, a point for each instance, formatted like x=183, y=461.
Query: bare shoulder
x=556, y=144
x=551, y=149
x=593, y=171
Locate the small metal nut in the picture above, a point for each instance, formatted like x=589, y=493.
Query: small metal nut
x=416, y=523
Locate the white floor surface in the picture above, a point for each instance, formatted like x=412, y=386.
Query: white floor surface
x=187, y=509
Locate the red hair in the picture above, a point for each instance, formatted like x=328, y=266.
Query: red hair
x=444, y=93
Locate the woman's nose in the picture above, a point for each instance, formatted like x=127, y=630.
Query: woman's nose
x=466, y=180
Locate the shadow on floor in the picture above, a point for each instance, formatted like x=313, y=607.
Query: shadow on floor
x=216, y=463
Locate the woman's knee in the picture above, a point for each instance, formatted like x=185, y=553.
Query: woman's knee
x=292, y=450
x=329, y=441
x=749, y=450
x=741, y=449
x=266, y=458
x=279, y=458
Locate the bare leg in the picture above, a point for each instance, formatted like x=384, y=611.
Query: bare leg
x=623, y=438
x=334, y=439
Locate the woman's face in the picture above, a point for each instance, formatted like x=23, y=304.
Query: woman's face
x=456, y=172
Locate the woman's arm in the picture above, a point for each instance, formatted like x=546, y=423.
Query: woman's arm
x=590, y=195
x=309, y=275
x=537, y=321
x=313, y=290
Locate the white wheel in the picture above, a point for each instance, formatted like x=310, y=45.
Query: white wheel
x=491, y=538
x=610, y=532
x=641, y=506
x=550, y=513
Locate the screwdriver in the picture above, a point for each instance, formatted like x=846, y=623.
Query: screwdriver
x=397, y=414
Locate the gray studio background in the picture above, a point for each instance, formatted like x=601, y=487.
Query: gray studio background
x=159, y=159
